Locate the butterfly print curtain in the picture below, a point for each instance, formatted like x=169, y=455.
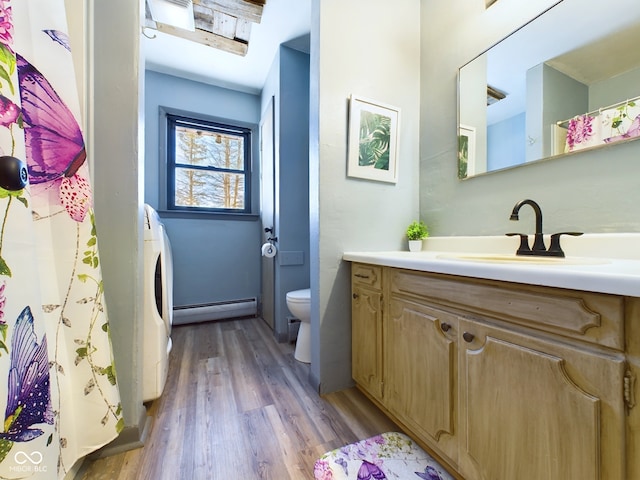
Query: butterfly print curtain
x=58, y=383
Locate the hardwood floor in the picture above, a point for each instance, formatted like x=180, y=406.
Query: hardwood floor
x=237, y=405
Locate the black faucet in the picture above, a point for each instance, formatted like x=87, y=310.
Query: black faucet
x=539, y=247
x=538, y=242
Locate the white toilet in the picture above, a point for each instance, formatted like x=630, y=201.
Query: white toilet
x=299, y=304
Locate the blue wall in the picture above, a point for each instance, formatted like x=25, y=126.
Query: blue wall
x=506, y=143
x=215, y=257
x=288, y=83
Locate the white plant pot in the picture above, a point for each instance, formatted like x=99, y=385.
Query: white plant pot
x=415, y=245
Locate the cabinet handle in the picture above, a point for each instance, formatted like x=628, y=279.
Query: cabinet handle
x=355, y=296
x=468, y=337
x=445, y=327
x=360, y=275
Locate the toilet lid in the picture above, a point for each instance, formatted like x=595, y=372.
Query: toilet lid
x=300, y=295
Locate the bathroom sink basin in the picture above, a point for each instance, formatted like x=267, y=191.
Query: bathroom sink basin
x=521, y=259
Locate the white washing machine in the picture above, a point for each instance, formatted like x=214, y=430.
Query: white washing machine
x=158, y=305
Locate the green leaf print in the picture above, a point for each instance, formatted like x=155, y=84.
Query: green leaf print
x=4, y=268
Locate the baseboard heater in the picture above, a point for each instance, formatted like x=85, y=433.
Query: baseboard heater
x=247, y=307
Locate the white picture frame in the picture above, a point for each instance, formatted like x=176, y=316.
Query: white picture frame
x=373, y=140
x=466, y=151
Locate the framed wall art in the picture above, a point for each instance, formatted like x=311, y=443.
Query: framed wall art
x=466, y=151
x=373, y=140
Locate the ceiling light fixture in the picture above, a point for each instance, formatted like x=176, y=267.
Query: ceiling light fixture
x=177, y=13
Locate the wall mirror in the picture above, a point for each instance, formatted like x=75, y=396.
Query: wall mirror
x=566, y=81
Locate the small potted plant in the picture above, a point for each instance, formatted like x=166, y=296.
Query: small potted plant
x=416, y=232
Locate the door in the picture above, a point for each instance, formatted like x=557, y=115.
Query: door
x=267, y=203
x=532, y=408
x=420, y=371
x=366, y=347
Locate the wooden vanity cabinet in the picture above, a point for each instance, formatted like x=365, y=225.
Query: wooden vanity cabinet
x=366, y=328
x=533, y=408
x=500, y=381
x=420, y=371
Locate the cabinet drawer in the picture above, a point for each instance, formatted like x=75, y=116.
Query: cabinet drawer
x=591, y=317
x=368, y=275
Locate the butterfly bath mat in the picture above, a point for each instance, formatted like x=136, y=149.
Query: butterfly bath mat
x=387, y=456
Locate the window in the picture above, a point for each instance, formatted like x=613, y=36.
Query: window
x=208, y=166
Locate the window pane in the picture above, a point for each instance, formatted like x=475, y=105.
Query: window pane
x=209, y=165
x=206, y=189
x=209, y=148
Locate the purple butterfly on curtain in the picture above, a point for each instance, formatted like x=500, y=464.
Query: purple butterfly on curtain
x=54, y=144
x=29, y=395
x=60, y=37
x=369, y=471
x=634, y=131
x=430, y=473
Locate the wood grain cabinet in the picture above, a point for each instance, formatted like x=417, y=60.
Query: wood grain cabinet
x=500, y=381
x=533, y=408
x=420, y=371
x=366, y=326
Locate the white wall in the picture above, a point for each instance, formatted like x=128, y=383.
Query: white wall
x=369, y=48
x=115, y=142
x=594, y=191
x=614, y=90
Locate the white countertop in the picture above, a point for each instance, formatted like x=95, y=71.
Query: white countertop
x=586, y=272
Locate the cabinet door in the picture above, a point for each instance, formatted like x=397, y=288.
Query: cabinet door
x=366, y=339
x=534, y=409
x=420, y=371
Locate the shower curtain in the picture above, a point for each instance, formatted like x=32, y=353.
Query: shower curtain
x=57, y=376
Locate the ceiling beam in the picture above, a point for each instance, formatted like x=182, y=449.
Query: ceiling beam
x=220, y=24
x=237, y=8
x=206, y=38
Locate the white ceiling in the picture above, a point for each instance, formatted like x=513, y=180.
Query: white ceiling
x=282, y=21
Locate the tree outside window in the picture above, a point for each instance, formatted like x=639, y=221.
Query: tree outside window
x=208, y=166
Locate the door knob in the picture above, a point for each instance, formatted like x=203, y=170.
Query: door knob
x=445, y=327
x=468, y=337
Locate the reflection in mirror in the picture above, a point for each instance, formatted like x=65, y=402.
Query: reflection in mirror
x=568, y=80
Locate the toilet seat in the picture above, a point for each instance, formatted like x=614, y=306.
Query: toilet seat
x=299, y=296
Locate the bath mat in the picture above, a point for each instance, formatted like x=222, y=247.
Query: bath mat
x=389, y=456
